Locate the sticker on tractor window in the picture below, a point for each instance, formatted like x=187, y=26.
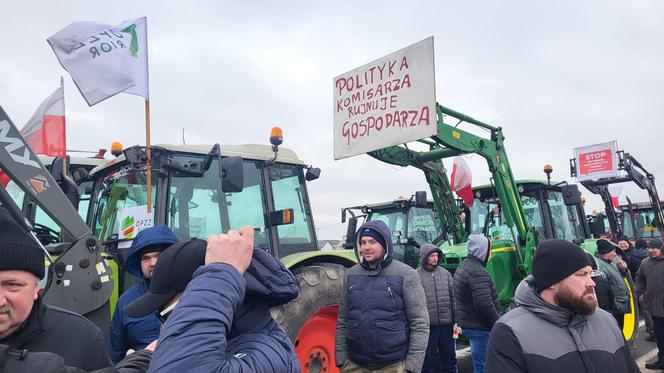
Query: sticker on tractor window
x=133, y=220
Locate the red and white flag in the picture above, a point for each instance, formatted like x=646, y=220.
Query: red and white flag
x=45, y=132
x=461, y=181
x=615, y=191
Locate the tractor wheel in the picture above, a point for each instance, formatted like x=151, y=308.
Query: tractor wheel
x=310, y=320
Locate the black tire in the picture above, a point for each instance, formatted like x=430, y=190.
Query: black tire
x=320, y=286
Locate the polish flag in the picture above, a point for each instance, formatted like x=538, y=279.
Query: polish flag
x=45, y=132
x=462, y=180
x=615, y=191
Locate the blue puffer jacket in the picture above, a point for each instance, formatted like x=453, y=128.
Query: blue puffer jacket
x=213, y=330
x=137, y=332
x=383, y=317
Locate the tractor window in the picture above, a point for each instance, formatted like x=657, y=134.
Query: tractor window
x=533, y=212
x=288, y=191
x=197, y=207
x=394, y=219
x=422, y=226
x=124, y=188
x=645, y=224
x=566, y=223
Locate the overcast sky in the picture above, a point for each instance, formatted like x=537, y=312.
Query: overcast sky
x=554, y=74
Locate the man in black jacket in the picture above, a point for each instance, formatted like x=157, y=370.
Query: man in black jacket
x=477, y=306
x=557, y=326
x=26, y=323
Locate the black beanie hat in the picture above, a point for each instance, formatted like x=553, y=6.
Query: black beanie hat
x=554, y=260
x=18, y=248
x=605, y=246
x=375, y=235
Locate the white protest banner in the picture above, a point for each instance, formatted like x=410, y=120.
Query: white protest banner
x=596, y=161
x=386, y=102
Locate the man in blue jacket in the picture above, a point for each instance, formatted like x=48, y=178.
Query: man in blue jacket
x=219, y=320
x=137, y=332
x=383, y=322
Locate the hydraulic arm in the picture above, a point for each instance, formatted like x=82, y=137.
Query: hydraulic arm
x=451, y=141
x=634, y=172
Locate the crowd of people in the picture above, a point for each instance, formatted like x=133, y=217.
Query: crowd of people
x=204, y=306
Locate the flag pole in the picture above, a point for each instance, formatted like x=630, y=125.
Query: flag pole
x=64, y=159
x=147, y=153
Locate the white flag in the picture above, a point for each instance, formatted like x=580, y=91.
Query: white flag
x=104, y=60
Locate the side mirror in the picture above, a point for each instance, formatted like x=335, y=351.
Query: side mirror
x=351, y=234
x=343, y=216
x=58, y=168
x=281, y=217
x=313, y=173
x=571, y=194
x=421, y=198
x=231, y=172
x=80, y=175
x=135, y=156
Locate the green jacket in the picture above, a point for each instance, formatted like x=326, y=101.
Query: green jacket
x=618, y=286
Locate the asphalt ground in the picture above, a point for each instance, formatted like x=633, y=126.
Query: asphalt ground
x=646, y=352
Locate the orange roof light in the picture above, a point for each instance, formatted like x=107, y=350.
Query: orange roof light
x=276, y=136
x=548, y=169
x=116, y=148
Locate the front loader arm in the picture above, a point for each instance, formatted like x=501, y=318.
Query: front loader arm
x=79, y=279
x=447, y=209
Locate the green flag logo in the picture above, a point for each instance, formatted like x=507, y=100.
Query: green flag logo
x=133, y=48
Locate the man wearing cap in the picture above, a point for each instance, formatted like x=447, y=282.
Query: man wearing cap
x=215, y=299
x=476, y=301
x=557, y=326
x=650, y=286
x=606, y=262
x=26, y=323
x=438, y=287
x=130, y=332
x=383, y=323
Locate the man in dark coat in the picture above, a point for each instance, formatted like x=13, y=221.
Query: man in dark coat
x=606, y=262
x=219, y=320
x=650, y=287
x=383, y=323
x=129, y=332
x=632, y=256
x=26, y=323
x=557, y=326
x=477, y=306
x=438, y=287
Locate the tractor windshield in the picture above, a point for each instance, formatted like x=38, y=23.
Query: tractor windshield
x=487, y=217
x=644, y=220
x=195, y=206
x=567, y=224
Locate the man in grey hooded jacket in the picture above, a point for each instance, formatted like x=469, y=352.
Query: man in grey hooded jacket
x=438, y=287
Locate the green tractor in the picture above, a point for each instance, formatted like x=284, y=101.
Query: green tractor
x=515, y=215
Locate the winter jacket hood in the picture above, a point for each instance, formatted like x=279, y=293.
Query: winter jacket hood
x=527, y=297
x=269, y=284
x=426, y=250
x=382, y=229
x=157, y=235
x=479, y=246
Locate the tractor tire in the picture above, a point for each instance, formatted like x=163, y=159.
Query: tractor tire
x=310, y=319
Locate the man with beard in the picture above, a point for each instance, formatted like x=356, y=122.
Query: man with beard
x=650, y=287
x=558, y=326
